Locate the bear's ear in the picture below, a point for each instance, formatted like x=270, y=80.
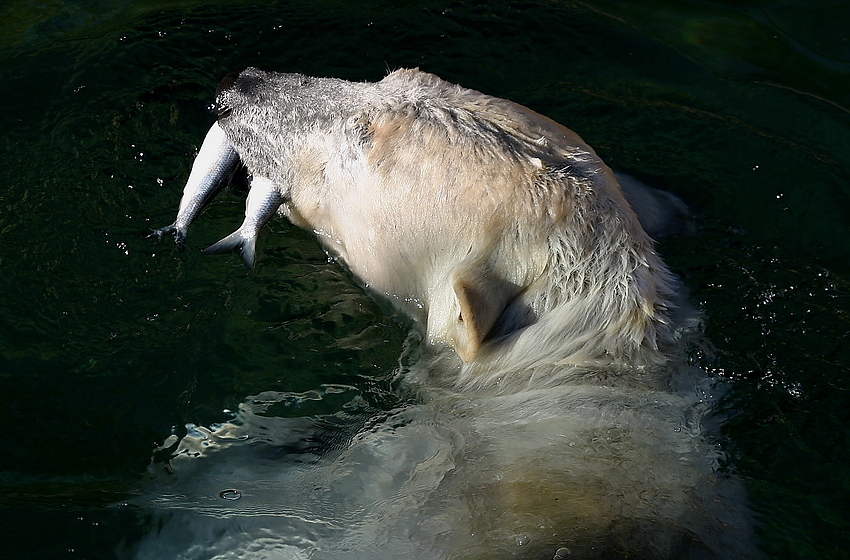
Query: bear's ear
x=482, y=298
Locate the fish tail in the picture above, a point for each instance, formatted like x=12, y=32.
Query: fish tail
x=236, y=240
x=179, y=234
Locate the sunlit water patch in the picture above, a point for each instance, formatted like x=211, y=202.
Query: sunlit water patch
x=601, y=467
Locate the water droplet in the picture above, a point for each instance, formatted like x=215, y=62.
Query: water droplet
x=522, y=540
x=230, y=494
x=561, y=553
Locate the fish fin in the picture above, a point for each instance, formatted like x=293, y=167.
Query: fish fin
x=179, y=235
x=159, y=233
x=236, y=240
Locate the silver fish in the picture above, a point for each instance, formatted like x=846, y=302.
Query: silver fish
x=215, y=163
x=264, y=199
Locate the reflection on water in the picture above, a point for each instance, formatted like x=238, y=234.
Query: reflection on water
x=110, y=343
x=589, y=467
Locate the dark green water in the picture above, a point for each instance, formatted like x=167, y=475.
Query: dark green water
x=110, y=342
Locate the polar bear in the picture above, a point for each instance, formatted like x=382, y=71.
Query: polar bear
x=556, y=412
x=475, y=215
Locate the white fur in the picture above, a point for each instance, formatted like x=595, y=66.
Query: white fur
x=556, y=409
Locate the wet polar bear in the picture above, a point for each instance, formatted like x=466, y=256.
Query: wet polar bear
x=556, y=414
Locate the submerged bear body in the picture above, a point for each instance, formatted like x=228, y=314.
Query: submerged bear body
x=557, y=410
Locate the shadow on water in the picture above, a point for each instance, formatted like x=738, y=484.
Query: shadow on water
x=111, y=343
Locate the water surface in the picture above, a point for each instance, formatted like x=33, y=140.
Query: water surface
x=111, y=343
